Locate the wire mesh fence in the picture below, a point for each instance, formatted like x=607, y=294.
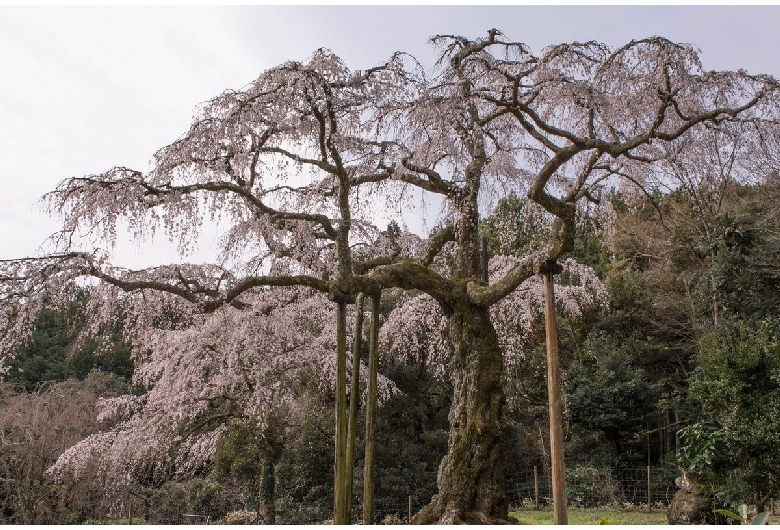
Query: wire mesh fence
x=590, y=487
x=586, y=487
x=398, y=510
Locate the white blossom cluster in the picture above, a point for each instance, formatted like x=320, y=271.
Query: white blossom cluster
x=416, y=330
x=258, y=363
x=520, y=315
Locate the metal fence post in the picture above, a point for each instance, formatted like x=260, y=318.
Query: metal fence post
x=536, y=486
x=649, y=490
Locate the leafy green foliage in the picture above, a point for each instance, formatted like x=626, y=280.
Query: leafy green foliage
x=737, y=386
x=608, y=393
x=305, y=471
x=172, y=501
x=589, y=486
x=760, y=518
x=54, y=354
x=411, y=436
x=241, y=457
x=247, y=458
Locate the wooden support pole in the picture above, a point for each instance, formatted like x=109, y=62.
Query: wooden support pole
x=547, y=270
x=484, y=256
x=368, y=463
x=409, y=511
x=339, y=494
x=130, y=513
x=353, y=405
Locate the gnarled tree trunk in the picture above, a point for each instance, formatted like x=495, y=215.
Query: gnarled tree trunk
x=471, y=476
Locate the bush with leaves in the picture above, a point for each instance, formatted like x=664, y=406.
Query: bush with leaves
x=737, y=386
x=607, y=392
x=35, y=428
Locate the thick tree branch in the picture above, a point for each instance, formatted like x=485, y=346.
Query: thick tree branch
x=436, y=242
x=412, y=275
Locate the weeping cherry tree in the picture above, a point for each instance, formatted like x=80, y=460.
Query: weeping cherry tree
x=299, y=162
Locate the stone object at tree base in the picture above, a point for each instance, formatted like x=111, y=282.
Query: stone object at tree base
x=690, y=505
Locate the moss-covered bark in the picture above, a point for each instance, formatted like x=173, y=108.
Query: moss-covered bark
x=471, y=476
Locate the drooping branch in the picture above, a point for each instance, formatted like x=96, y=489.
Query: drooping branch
x=122, y=179
x=208, y=298
x=18, y=277
x=265, y=281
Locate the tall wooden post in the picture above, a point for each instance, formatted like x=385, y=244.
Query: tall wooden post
x=649, y=489
x=649, y=499
x=368, y=463
x=353, y=405
x=485, y=260
x=340, y=472
x=547, y=269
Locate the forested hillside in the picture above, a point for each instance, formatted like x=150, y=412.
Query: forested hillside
x=677, y=366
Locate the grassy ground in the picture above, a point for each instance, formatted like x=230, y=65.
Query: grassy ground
x=592, y=516
x=596, y=515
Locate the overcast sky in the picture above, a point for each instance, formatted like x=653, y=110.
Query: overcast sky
x=87, y=88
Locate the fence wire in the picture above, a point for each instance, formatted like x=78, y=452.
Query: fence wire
x=586, y=487
x=589, y=487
